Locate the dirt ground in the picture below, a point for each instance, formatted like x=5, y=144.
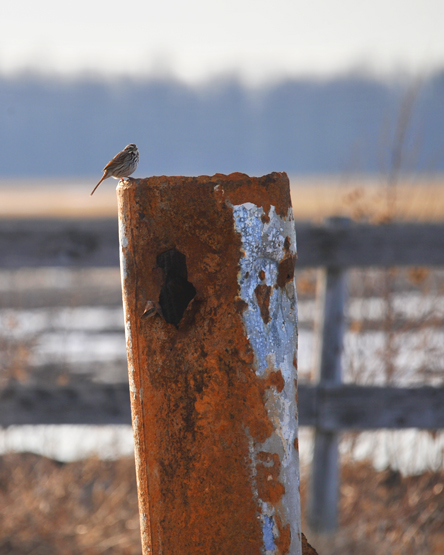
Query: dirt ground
x=90, y=507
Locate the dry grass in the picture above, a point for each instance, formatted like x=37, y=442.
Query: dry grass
x=364, y=200
x=53, y=199
x=384, y=512
x=90, y=508
x=86, y=507
x=313, y=199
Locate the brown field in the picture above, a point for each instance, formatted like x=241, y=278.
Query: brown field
x=413, y=199
x=368, y=200
x=90, y=507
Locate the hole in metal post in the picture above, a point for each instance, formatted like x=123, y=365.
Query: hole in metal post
x=177, y=292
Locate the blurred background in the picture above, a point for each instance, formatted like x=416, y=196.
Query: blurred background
x=345, y=96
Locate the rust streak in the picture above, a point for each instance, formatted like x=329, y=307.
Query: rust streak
x=287, y=244
x=283, y=542
x=275, y=379
x=263, y=293
x=286, y=270
x=268, y=469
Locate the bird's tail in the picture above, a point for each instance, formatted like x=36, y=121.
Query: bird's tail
x=104, y=176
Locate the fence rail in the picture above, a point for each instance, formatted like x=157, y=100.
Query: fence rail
x=94, y=243
x=330, y=407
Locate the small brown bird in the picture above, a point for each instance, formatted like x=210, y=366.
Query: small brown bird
x=122, y=165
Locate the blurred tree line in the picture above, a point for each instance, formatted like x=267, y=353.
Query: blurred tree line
x=60, y=127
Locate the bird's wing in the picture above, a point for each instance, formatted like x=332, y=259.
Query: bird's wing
x=116, y=161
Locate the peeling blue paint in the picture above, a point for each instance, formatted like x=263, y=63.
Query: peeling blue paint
x=274, y=343
x=267, y=529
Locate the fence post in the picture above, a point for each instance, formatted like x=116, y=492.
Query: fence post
x=324, y=479
x=211, y=327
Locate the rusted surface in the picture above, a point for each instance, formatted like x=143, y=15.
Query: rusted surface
x=307, y=549
x=263, y=293
x=286, y=271
x=198, y=405
x=275, y=379
x=284, y=541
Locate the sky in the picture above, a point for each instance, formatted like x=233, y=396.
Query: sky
x=197, y=40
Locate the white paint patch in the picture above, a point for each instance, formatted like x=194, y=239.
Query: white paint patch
x=123, y=244
x=128, y=338
x=275, y=347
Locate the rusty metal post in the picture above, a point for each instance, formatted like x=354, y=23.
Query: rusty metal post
x=211, y=328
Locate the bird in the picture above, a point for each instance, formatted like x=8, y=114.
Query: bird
x=122, y=165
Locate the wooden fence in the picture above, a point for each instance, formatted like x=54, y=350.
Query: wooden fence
x=94, y=243
x=329, y=405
